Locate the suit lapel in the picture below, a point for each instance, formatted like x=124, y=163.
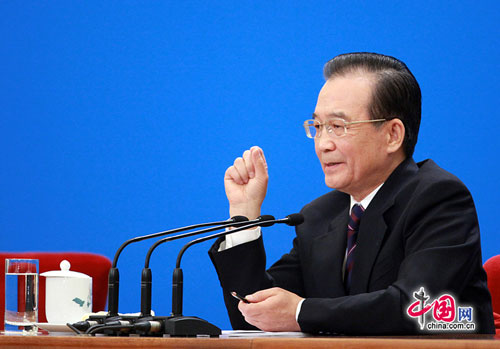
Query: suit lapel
x=373, y=227
x=328, y=252
x=370, y=237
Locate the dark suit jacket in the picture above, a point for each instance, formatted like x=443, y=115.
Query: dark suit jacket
x=420, y=230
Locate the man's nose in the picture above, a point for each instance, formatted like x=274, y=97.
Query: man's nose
x=325, y=141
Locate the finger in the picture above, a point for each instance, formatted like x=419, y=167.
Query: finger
x=239, y=165
x=233, y=175
x=251, y=320
x=259, y=161
x=254, y=313
x=251, y=310
x=247, y=158
x=261, y=295
x=241, y=307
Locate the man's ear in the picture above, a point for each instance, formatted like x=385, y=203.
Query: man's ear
x=395, y=135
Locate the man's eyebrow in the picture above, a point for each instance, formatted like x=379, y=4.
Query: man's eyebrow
x=338, y=114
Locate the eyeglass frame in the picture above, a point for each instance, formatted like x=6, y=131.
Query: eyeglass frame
x=331, y=130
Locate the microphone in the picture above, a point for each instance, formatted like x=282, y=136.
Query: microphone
x=84, y=324
x=146, y=277
x=144, y=326
x=292, y=220
x=179, y=325
x=114, y=277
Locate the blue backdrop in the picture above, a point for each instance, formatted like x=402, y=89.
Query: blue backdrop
x=119, y=118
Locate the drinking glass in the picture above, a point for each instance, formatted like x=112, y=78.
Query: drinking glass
x=21, y=296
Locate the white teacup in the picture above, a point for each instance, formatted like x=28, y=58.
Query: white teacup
x=68, y=295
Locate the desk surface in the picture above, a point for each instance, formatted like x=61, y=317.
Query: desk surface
x=438, y=341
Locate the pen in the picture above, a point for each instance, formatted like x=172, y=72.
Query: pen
x=241, y=298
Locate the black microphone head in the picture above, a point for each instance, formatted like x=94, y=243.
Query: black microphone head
x=237, y=219
x=267, y=218
x=295, y=219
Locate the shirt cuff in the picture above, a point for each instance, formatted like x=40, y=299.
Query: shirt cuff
x=299, y=306
x=239, y=238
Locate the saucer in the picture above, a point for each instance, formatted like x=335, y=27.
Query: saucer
x=53, y=327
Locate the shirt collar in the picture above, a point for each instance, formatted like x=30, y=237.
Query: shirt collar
x=366, y=201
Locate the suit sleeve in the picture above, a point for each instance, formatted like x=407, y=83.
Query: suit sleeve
x=243, y=269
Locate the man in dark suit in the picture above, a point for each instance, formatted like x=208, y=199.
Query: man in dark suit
x=391, y=229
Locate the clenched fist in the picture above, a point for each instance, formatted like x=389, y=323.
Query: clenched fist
x=246, y=183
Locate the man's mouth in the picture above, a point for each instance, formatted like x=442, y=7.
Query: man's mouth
x=331, y=166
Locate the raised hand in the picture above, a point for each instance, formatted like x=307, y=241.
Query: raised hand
x=246, y=183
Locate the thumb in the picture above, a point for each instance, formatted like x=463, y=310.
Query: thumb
x=260, y=296
x=259, y=161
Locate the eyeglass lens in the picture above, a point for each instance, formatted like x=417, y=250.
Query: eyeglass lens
x=332, y=126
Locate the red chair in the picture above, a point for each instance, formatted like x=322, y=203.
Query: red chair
x=492, y=267
x=94, y=265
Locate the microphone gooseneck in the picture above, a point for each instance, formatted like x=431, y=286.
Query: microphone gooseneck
x=114, y=276
x=176, y=324
x=177, y=284
x=235, y=221
x=146, y=277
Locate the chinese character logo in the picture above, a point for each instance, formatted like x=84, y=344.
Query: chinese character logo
x=465, y=313
x=444, y=312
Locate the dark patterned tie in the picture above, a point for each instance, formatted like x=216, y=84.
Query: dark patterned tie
x=352, y=236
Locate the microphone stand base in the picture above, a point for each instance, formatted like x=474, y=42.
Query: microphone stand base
x=190, y=326
x=173, y=326
x=106, y=319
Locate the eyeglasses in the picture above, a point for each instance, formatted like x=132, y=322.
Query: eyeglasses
x=335, y=126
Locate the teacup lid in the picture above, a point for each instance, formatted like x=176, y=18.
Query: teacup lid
x=65, y=272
